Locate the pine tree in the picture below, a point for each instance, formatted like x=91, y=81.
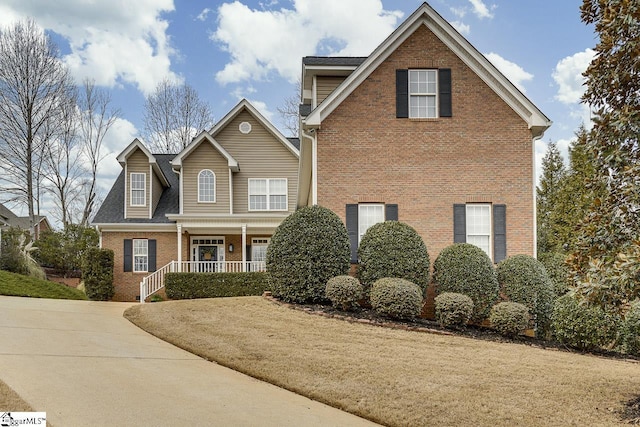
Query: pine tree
x=548, y=192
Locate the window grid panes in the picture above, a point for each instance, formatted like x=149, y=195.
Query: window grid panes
x=140, y=255
x=259, y=249
x=206, y=186
x=268, y=194
x=422, y=93
x=368, y=215
x=138, y=189
x=479, y=227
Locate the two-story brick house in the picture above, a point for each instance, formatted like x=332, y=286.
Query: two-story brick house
x=424, y=130
x=211, y=207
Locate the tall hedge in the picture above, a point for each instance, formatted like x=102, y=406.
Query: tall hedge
x=307, y=249
x=97, y=274
x=393, y=249
x=214, y=285
x=524, y=279
x=466, y=269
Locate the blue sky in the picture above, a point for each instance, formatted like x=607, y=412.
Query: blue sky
x=250, y=48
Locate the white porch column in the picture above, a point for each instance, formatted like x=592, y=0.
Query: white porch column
x=244, y=247
x=180, y=248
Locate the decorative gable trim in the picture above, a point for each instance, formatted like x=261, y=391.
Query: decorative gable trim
x=426, y=15
x=202, y=137
x=246, y=105
x=138, y=144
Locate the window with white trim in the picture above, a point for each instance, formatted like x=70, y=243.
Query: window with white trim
x=138, y=189
x=268, y=194
x=368, y=215
x=423, y=92
x=479, y=226
x=140, y=255
x=206, y=186
x=259, y=249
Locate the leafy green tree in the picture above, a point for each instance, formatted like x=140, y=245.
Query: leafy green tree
x=548, y=194
x=610, y=234
x=64, y=250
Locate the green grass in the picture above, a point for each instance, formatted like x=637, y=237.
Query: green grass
x=13, y=284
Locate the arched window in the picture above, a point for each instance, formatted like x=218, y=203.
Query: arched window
x=206, y=186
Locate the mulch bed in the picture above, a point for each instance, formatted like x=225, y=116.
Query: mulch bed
x=631, y=411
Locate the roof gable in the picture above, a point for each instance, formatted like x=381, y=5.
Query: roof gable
x=137, y=144
x=204, y=136
x=245, y=105
x=478, y=63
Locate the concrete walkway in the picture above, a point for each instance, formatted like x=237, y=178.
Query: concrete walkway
x=85, y=365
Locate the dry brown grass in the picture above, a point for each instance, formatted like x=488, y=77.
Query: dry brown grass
x=10, y=401
x=397, y=377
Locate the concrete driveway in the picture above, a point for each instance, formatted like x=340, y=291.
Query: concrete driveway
x=85, y=365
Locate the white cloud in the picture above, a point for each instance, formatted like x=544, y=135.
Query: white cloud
x=461, y=27
x=460, y=12
x=204, y=14
x=515, y=73
x=111, y=42
x=263, y=109
x=568, y=76
x=262, y=42
x=480, y=9
x=119, y=136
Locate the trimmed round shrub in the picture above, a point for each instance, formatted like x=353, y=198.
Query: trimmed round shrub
x=453, y=309
x=393, y=249
x=580, y=325
x=557, y=270
x=630, y=330
x=466, y=269
x=509, y=318
x=307, y=249
x=524, y=279
x=396, y=298
x=344, y=291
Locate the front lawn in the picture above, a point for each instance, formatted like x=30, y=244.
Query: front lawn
x=24, y=286
x=397, y=377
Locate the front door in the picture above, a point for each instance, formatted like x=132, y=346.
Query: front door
x=208, y=254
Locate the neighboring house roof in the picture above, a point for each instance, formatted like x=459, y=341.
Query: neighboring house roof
x=9, y=219
x=111, y=209
x=6, y=214
x=246, y=105
x=426, y=15
x=137, y=144
x=204, y=136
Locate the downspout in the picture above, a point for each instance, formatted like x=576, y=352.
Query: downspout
x=311, y=134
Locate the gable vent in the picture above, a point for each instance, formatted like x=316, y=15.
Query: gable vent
x=245, y=127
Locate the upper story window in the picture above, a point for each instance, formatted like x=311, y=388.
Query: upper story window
x=479, y=226
x=423, y=92
x=368, y=215
x=138, y=189
x=268, y=194
x=140, y=255
x=206, y=186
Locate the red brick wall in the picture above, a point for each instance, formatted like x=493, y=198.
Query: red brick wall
x=482, y=154
x=127, y=284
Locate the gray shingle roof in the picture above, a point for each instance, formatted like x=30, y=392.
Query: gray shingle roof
x=112, y=209
x=353, y=61
x=295, y=142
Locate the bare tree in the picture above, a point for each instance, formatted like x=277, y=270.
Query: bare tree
x=174, y=114
x=33, y=85
x=289, y=111
x=96, y=118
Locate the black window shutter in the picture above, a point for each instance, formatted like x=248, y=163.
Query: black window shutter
x=402, y=94
x=499, y=232
x=151, y=247
x=352, y=229
x=459, y=223
x=391, y=212
x=128, y=255
x=444, y=92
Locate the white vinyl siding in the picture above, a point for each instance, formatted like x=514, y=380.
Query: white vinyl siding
x=138, y=189
x=140, y=255
x=479, y=226
x=268, y=194
x=423, y=90
x=206, y=186
x=368, y=215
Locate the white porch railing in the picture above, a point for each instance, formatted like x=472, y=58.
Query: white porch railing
x=155, y=281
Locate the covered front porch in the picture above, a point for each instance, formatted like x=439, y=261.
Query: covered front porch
x=225, y=244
